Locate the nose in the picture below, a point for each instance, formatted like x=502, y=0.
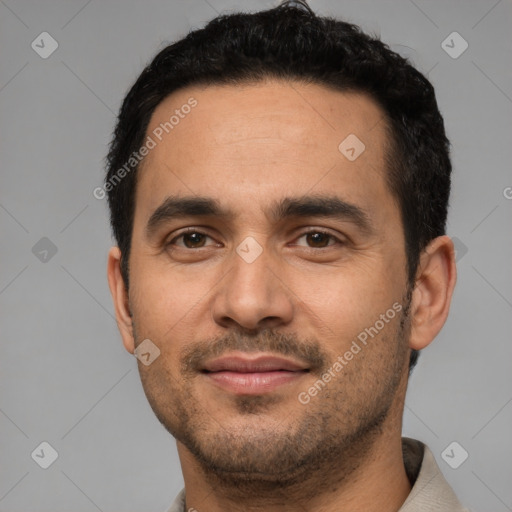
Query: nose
x=253, y=296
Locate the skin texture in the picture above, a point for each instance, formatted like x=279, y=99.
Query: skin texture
x=305, y=297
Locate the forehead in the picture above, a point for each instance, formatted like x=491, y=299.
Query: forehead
x=254, y=141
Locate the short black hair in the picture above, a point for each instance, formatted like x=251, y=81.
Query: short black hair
x=293, y=44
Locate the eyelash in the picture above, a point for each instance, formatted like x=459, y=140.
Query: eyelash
x=305, y=233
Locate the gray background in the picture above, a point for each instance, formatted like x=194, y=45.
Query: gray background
x=64, y=376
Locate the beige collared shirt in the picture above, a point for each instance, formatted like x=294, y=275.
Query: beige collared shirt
x=430, y=491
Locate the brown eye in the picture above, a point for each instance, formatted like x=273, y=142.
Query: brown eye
x=318, y=239
x=190, y=240
x=193, y=240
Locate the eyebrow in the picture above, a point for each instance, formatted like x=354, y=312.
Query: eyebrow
x=325, y=206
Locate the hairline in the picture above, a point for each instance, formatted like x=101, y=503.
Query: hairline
x=392, y=153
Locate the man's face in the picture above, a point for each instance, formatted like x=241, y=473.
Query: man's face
x=253, y=294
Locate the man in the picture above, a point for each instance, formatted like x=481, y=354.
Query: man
x=278, y=185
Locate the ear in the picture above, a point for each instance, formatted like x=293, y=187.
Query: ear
x=120, y=298
x=432, y=294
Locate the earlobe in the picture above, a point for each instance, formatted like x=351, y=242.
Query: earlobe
x=120, y=298
x=431, y=297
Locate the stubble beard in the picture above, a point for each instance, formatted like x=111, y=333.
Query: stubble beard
x=320, y=447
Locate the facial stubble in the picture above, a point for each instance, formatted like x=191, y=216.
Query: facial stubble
x=260, y=450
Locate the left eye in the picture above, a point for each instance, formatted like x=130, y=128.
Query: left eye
x=318, y=239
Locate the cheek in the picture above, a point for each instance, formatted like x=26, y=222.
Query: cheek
x=163, y=302
x=343, y=301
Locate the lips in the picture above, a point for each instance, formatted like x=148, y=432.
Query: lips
x=252, y=375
